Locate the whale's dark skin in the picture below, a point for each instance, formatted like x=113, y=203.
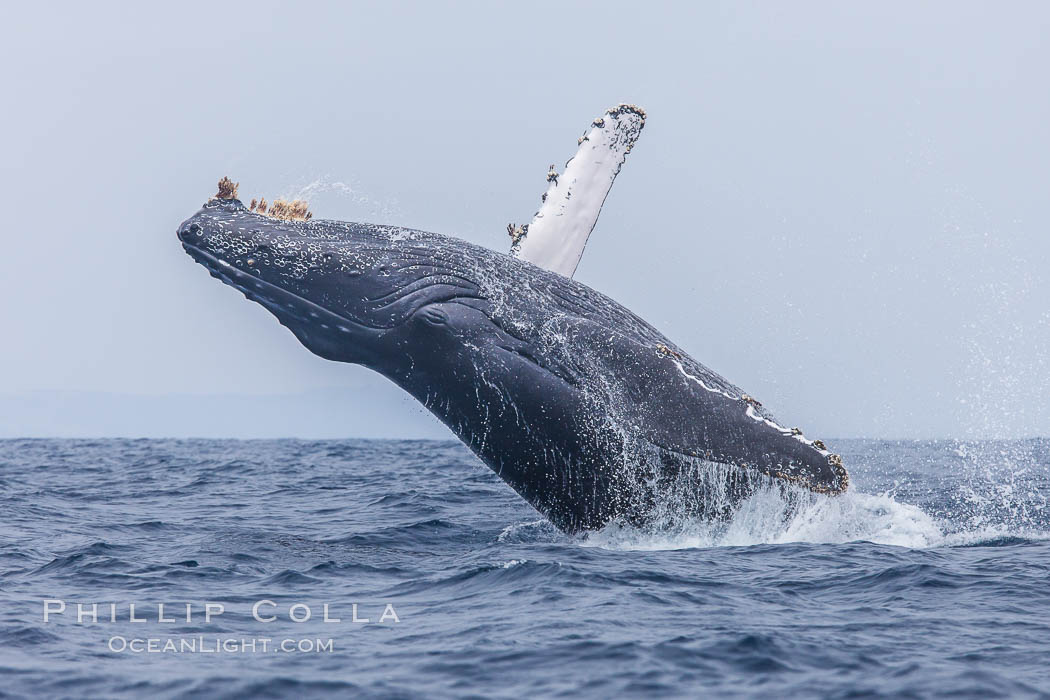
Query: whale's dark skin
x=583, y=408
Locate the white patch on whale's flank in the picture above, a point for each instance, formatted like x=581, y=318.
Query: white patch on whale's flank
x=558, y=234
x=751, y=412
x=701, y=382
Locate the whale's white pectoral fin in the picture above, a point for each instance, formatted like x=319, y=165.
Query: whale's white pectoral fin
x=558, y=234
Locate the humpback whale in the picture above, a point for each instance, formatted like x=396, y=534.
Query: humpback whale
x=583, y=408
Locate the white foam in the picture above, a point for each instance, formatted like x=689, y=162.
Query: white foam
x=515, y=531
x=769, y=517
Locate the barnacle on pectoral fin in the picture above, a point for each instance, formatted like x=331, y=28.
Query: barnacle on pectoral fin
x=751, y=400
x=516, y=233
x=840, y=471
x=625, y=107
x=836, y=488
x=227, y=189
x=668, y=352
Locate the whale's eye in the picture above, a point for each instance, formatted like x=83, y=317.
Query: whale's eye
x=195, y=229
x=434, y=316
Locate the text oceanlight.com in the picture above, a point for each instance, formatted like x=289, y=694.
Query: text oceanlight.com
x=202, y=644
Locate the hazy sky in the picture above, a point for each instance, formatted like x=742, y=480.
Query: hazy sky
x=841, y=207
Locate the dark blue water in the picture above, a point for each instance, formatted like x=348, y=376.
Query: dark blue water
x=931, y=578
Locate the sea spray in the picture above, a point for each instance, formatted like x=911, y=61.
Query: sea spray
x=774, y=515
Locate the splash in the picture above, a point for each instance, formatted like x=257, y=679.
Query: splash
x=1004, y=489
x=346, y=199
x=962, y=494
x=780, y=516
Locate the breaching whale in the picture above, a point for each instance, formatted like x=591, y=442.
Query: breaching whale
x=583, y=408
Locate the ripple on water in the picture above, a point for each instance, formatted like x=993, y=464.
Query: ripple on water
x=928, y=578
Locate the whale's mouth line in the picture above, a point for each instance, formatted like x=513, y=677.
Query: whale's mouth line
x=280, y=301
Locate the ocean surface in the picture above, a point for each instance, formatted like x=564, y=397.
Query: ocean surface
x=931, y=578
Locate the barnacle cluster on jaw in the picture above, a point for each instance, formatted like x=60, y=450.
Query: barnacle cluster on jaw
x=295, y=210
x=552, y=174
x=819, y=444
x=227, y=189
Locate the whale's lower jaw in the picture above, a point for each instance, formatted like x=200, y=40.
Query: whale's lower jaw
x=323, y=332
x=281, y=302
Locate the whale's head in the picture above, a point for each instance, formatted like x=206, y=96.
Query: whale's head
x=345, y=290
